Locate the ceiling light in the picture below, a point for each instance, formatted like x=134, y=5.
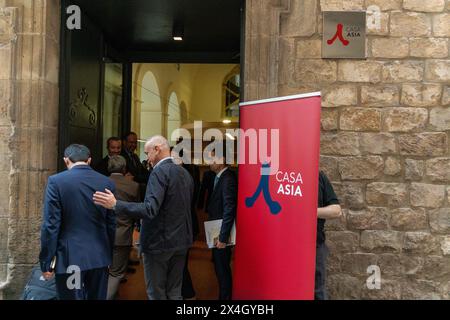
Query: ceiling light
x=178, y=31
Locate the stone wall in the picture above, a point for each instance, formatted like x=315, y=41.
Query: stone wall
x=29, y=63
x=385, y=135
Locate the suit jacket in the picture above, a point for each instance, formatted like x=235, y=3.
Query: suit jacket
x=74, y=229
x=223, y=203
x=166, y=210
x=135, y=167
x=126, y=190
x=206, y=189
x=194, y=171
x=102, y=166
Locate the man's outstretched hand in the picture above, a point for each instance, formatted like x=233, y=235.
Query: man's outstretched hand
x=105, y=199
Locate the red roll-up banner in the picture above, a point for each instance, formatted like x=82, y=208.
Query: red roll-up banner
x=277, y=198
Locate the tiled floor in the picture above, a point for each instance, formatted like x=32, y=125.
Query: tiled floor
x=200, y=266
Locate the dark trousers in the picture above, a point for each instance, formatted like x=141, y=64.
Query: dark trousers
x=164, y=274
x=121, y=255
x=320, y=292
x=93, y=285
x=222, y=259
x=187, y=289
x=117, y=270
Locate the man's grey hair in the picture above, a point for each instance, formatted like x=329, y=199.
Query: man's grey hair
x=117, y=164
x=159, y=141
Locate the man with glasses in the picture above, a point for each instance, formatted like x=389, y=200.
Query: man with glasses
x=166, y=232
x=223, y=205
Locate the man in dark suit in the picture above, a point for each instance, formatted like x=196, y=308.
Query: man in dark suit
x=126, y=190
x=75, y=231
x=206, y=189
x=187, y=288
x=114, y=147
x=134, y=166
x=328, y=208
x=223, y=205
x=166, y=232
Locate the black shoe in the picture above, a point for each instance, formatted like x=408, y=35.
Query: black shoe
x=131, y=270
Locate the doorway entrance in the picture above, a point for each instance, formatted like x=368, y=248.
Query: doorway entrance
x=97, y=60
x=126, y=69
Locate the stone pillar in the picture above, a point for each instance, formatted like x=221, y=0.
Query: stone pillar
x=262, y=40
x=385, y=135
x=29, y=60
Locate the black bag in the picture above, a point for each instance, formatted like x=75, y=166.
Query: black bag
x=37, y=288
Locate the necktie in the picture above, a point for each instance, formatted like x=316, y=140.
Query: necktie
x=135, y=160
x=216, y=179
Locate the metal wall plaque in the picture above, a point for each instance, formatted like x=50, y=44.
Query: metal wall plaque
x=344, y=34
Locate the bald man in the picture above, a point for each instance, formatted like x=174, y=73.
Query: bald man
x=166, y=232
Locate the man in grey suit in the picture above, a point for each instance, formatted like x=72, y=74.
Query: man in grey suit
x=166, y=232
x=126, y=190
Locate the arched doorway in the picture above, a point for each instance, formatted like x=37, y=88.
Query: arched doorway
x=173, y=118
x=183, y=113
x=151, y=109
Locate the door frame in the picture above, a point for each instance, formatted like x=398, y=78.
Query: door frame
x=112, y=55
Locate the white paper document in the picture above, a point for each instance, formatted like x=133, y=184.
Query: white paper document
x=212, y=231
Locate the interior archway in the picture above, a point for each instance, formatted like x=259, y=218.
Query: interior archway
x=173, y=118
x=151, y=109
